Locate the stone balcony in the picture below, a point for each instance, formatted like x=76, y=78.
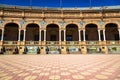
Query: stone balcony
x=59, y=43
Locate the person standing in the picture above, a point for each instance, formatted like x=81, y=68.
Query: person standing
x=47, y=50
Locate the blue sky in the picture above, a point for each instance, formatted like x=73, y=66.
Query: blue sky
x=65, y=3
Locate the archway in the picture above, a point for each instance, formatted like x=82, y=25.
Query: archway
x=72, y=32
x=111, y=31
x=32, y=32
x=11, y=32
x=52, y=32
x=91, y=32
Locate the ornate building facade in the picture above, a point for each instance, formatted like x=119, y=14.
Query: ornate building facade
x=61, y=30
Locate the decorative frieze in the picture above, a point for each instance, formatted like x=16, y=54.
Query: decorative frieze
x=9, y=13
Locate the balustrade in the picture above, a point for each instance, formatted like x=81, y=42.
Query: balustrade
x=112, y=42
x=60, y=42
x=32, y=42
x=10, y=42
x=52, y=42
x=72, y=42
x=92, y=42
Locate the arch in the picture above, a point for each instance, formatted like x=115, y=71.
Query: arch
x=34, y=30
x=72, y=32
x=111, y=31
x=54, y=24
x=116, y=23
x=52, y=32
x=77, y=24
x=15, y=22
x=27, y=23
x=91, y=29
x=11, y=28
x=95, y=23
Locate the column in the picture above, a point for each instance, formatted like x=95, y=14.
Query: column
x=84, y=35
x=64, y=36
x=39, y=35
x=59, y=35
x=99, y=35
x=24, y=35
x=104, y=35
x=79, y=35
x=119, y=34
x=44, y=35
x=19, y=35
x=2, y=35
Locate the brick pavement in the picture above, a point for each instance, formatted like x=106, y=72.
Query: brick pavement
x=60, y=67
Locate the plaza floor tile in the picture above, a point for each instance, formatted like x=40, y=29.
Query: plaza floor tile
x=60, y=67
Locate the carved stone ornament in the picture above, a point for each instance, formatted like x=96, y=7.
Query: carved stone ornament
x=1, y=22
x=22, y=23
x=101, y=23
x=81, y=23
x=62, y=24
x=43, y=23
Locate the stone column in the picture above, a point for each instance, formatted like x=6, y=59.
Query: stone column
x=39, y=35
x=59, y=35
x=79, y=35
x=19, y=35
x=104, y=35
x=2, y=35
x=44, y=35
x=119, y=34
x=64, y=35
x=84, y=35
x=24, y=35
x=99, y=35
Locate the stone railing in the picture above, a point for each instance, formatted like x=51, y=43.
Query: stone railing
x=92, y=42
x=112, y=42
x=10, y=42
x=72, y=42
x=52, y=42
x=32, y=42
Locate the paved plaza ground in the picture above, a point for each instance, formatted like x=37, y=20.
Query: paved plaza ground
x=60, y=67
